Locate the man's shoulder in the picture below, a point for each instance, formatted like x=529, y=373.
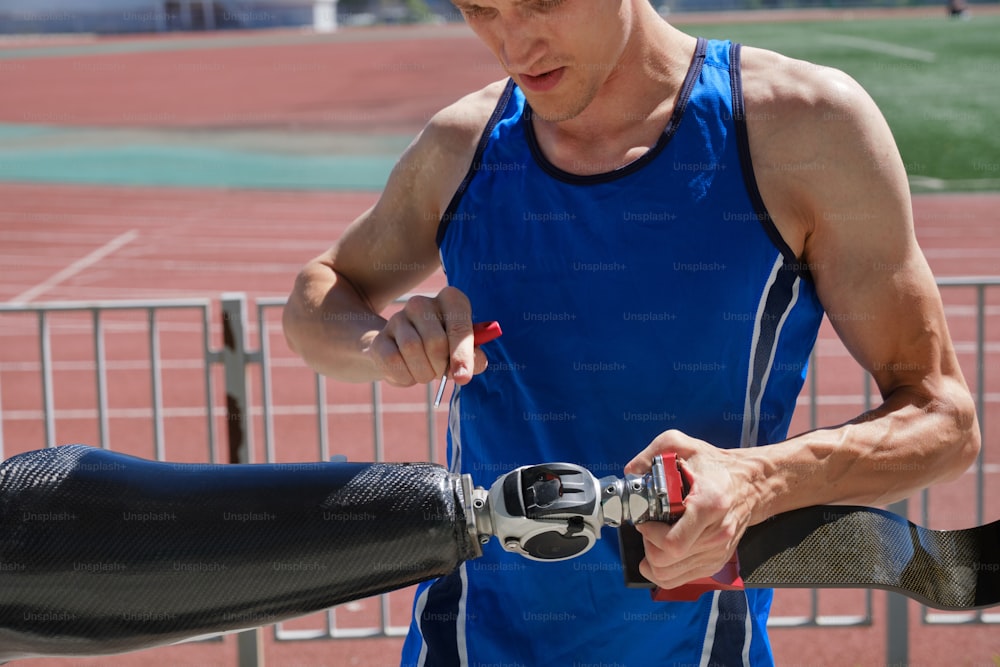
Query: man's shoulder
x=813, y=133
x=433, y=166
x=459, y=126
x=786, y=92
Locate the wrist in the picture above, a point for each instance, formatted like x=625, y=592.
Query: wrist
x=758, y=480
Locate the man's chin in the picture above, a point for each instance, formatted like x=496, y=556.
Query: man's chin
x=558, y=109
x=552, y=113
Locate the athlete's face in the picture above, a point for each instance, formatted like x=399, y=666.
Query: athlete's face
x=560, y=52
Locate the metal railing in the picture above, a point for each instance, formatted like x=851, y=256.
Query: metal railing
x=91, y=319
x=215, y=372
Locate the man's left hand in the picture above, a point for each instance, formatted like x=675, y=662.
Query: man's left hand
x=717, y=512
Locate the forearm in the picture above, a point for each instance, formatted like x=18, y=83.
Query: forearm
x=330, y=326
x=911, y=441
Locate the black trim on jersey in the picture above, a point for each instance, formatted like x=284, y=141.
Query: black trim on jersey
x=743, y=141
x=477, y=158
x=730, y=629
x=776, y=304
x=690, y=79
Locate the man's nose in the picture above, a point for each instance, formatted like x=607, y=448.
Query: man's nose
x=522, y=43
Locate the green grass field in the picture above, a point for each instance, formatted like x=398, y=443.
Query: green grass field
x=936, y=80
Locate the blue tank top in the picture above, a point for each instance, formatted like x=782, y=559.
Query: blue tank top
x=655, y=296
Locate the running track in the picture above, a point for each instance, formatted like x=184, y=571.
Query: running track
x=73, y=242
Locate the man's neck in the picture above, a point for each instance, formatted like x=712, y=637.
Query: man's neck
x=631, y=109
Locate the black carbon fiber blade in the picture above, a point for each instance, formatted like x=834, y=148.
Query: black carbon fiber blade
x=862, y=547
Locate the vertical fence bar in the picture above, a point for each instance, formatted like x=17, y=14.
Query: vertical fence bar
x=379, y=431
x=813, y=391
x=897, y=606
x=48, y=408
x=265, y=386
x=2, y=454
x=981, y=409
x=379, y=437
x=249, y=643
x=981, y=400
x=157, y=384
x=813, y=424
x=234, y=361
x=867, y=395
x=100, y=378
x=898, y=613
x=208, y=354
x=322, y=429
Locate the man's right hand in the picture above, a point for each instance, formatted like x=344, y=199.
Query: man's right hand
x=429, y=338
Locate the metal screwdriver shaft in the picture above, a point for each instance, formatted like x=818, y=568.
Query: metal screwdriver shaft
x=482, y=332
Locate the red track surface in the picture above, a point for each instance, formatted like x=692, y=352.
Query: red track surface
x=328, y=82
x=176, y=243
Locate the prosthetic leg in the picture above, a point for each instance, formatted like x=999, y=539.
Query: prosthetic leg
x=105, y=553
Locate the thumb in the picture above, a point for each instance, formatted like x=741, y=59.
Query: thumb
x=668, y=441
x=457, y=313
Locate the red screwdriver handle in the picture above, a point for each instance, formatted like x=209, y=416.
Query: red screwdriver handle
x=484, y=332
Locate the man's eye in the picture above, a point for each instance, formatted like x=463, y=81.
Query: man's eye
x=475, y=11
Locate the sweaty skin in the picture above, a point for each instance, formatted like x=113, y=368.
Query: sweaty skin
x=603, y=77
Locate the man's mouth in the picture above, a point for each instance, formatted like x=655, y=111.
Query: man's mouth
x=544, y=81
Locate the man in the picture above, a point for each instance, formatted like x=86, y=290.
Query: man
x=658, y=223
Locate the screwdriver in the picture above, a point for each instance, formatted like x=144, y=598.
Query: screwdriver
x=482, y=332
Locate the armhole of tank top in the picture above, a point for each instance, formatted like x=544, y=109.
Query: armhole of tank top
x=743, y=142
x=477, y=157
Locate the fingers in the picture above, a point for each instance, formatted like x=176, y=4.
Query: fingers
x=674, y=557
x=715, y=514
x=405, y=349
x=429, y=338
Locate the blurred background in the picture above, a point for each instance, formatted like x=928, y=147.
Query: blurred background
x=167, y=167
x=116, y=16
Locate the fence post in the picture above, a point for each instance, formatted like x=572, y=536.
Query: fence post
x=898, y=612
x=249, y=643
x=234, y=361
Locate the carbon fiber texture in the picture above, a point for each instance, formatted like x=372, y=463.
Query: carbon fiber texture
x=103, y=553
x=862, y=547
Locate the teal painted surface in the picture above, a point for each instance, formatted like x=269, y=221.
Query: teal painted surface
x=111, y=157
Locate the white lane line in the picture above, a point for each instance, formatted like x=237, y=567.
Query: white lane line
x=878, y=46
x=932, y=183
x=76, y=267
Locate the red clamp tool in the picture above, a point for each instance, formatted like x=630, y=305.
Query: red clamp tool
x=669, y=483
